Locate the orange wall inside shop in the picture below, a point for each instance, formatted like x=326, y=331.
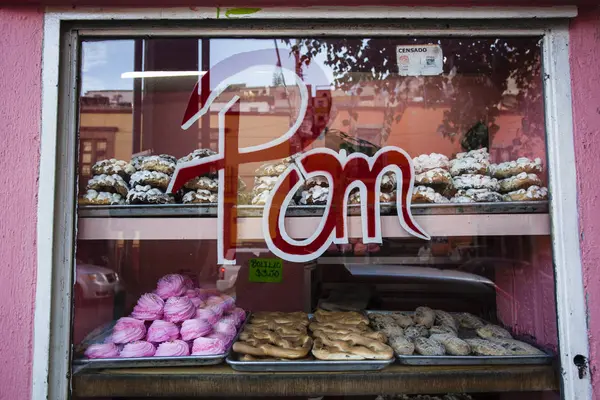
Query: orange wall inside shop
x=122, y=121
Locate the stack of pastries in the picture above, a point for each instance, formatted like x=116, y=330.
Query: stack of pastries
x=519, y=180
x=470, y=176
x=437, y=333
x=176, y=319
x=432, y=179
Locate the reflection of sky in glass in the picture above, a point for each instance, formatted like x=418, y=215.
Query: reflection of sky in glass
x=103, y=63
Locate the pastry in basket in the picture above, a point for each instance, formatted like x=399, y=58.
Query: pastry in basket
x=469, y=321
x=93, y=197
x=512, y=168
x=401, y=345
x=453, y=345
x=108, y=183
x=517, y=347
x=429, y=347
x=521, y=181
x=426, y=162
x=532, y=193
x=482, y=347
x=113, y=166
x=444, y=318
x=493, y=331
x=415, y=331
x=424, y=194
x=349, y=347
x=424, y=316
x=476, y=181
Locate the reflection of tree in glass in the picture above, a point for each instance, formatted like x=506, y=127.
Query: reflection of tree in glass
x=477, y=74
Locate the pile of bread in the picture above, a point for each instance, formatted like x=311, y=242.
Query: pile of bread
x=430, y=332
x=328, y=336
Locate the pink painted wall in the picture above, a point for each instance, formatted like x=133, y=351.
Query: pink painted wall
x=585, y=69
x=20, y=66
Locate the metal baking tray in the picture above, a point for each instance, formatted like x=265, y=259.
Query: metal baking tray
x=469, y=360
x=210, y=210
x=149, y=362
x=305, y=365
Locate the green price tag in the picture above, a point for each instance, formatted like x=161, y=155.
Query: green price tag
x=266, y=270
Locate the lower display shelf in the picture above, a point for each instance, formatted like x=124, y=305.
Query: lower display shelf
x=221, y=380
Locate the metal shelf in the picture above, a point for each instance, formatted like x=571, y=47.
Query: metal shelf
x=223, y=381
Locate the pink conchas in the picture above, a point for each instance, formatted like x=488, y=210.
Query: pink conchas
x=179, y=309
x=207, y=315
x=194, y=328
x=149, y=307
x=102, y=350
x=128, y=330
x=172, y=285
x=162, y=331
x=172, y=348
x=138, y=349
x=208, y=346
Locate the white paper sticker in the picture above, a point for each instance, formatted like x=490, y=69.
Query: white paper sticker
x=419, y=59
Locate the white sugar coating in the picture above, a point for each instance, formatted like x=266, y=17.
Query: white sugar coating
x=434, y=175
x=104, y=197
x=203, y=182
x=164, y=161
x=468, y=165
x=199, y=196
x=197, y=154
x=520, y=163
x=480, y=195
x=316, y=181
x=513, y=182
x=113, y=166
x=147, y=194
x=479, y=154
x=107, y=180
x=461, y=199
x=429, y=194
x=266, y=180
x=314, y=195
x=476, y=181
x=354, y=197
x=261, y=198
x=531, y=193
x=389, y=181
x=425, y=162
x=140, y=177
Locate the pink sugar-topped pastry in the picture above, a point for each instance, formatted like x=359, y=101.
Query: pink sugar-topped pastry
x=179, y=309
x=162, y=331
x=207, y=315
x=208, y=346
x=227, y=340
x=173, y=348
x=138, y=349
x=226, y=327
x=197, y=302
x=194, y=328
x=149, y=307
x=102, y=350
x=231, y=319
x=172, y=285
x=218, y=309
x=128, y=330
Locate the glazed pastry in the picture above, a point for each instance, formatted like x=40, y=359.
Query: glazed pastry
x=113, y=166
x=468, y=321
x=429, y=347
x=354, y=197
x=148, y=308
x=128, y=330
x=162, y=331
x=153, y=178
x=102, y=350
x=453, y=345
x=92, y=197
x=482, y=347
x=108, y=183
x=424, y=316
x=517, y=347
x=512, y=168
x=444, y=318
x=401, y=345
x=138, y=349
x=148, y=195
x=194, y=328
x=493, y=331
x=476, y=181
x=207, y=315
x=479, y=154
x=172, y=285
x=199, y=196
x=161, y=163
x=426, y=162
x=415, y=331
x=468, y=165
x=208, y=346
x=174, y=348
x=424, y=194
x=202, y=183
x=520, y=181
x=533, y=193
x=316, y=195
x=438, y=178
x=178, y=309
x=476, y=196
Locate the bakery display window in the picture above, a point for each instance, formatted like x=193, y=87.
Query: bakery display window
x=322, y=209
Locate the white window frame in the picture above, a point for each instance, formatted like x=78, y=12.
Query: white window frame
x=56, y=219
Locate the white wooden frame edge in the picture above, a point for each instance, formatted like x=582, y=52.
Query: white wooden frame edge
x=53, y=284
